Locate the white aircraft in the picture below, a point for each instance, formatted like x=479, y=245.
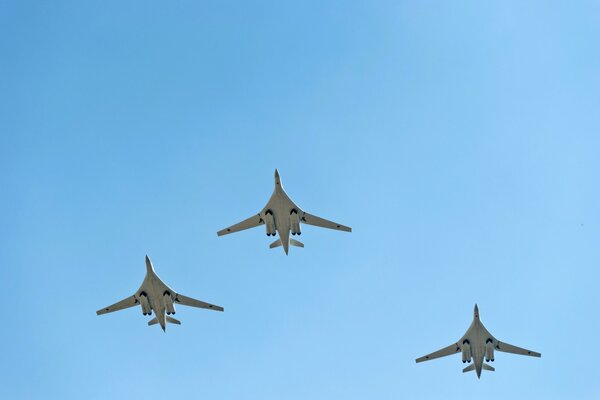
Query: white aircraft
x=478, y=344
x=281, y=215
x=155, y=295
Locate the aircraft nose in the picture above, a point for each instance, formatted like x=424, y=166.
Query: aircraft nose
x=277, y=179
x=149, y=266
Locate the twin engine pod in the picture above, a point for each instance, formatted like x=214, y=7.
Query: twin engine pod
x=146, y=309
x=168, y=301
x=295, y=223
x=489, y=350
x=270, y=223
x=466, y=351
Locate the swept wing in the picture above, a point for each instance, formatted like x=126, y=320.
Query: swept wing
x=121, y=305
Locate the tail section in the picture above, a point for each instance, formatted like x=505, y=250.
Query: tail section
x=488, y=367
x=484, y=366
x=170, y=320
x=469, y=368
x=293, y=242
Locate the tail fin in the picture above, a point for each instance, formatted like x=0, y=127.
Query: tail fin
x=296, y=243
x=470, y=368
x=171, y=320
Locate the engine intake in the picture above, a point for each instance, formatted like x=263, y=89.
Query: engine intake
x=295, y=223
x=489, y=350
x=169, y=306
x=145, y=303
x=466, y=351
x=270, y=223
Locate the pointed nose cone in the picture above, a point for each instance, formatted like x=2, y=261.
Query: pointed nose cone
x=149, y=267
x=476, y=311
x=277, y=178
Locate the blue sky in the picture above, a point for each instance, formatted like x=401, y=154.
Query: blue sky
x=459, y=139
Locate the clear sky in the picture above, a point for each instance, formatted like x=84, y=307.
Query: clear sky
x=460, y=140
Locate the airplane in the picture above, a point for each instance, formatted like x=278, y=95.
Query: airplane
x=281, y=215
x=477, y=343
x=155, y=295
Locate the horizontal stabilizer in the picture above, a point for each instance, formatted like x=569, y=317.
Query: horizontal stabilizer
x=171, y=320
x=488, y=367
x=469, y=368
x=485, y=367
x=293, y=242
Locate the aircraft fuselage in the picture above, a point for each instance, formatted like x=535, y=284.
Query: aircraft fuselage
x=281, y=207
x=155, y=290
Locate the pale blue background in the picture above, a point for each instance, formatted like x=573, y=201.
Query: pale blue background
x=459, y=139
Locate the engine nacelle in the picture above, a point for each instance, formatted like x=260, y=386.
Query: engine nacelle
x=295, y=223
x=168, y=301
x=270, y=223
x=146, y=309
x=489, y=350
x=466, y=351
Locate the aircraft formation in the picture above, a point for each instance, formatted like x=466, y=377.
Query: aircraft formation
x=281, y=216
